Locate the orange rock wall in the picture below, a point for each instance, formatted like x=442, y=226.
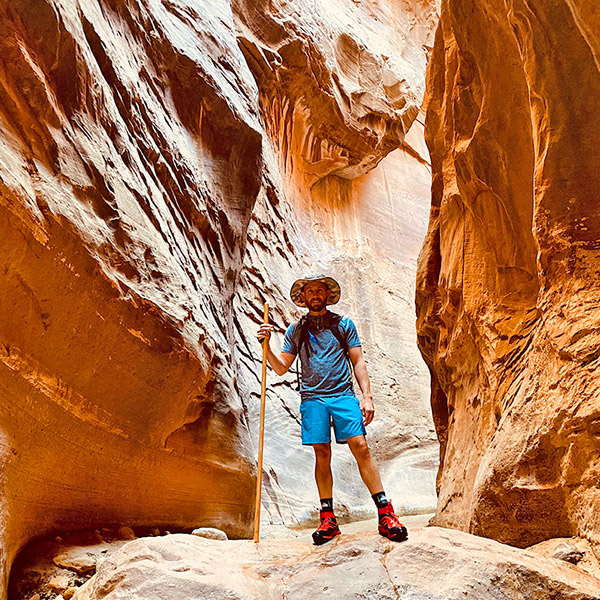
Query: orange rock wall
x=147, y=208
x=509, y=273
x=123, y=220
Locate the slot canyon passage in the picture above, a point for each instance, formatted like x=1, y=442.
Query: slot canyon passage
x=166, y=166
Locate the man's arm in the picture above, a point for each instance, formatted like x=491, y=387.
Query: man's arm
x=360, y=371
x=280, y=363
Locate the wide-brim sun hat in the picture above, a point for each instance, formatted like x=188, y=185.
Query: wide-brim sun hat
x=330, y=282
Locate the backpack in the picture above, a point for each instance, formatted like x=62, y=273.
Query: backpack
x=304, y=339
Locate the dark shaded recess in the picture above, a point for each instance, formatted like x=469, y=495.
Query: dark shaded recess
x=441, y=412
x=152, y=265
x=190, y=438
x=101, y=195
x=209, y=432
x=428, y=341
x=426, y=295
x=54, y=49
x=209, y=117
x=209, y=235
x=258, y=61
x=233, y=145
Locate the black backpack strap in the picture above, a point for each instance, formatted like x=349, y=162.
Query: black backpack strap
x=334, y=327
x=303, y=338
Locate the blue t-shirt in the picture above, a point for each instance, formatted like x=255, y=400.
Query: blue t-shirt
x=325, y=369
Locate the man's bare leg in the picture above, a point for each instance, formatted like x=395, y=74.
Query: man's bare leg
x=389, y=525
x=328, y=528
x=367, y=466
x=323, y=475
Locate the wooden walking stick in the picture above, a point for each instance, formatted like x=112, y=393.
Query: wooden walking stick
x=261, y=435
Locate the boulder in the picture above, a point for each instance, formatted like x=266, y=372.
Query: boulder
x=577, y=551
x=59, y=583
x=81, y=559
x=125, y=533
x=434, y=564
x=210, y=533
x=568, y=552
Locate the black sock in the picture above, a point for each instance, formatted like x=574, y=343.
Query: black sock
x=327, y=504
x=380, y=499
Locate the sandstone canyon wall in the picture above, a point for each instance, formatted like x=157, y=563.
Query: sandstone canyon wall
x=165, y=167
x=507, y=293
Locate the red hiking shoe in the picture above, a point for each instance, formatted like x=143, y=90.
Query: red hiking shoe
x=327, y=530
x=389, y=525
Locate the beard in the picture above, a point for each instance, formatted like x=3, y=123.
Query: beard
x=317, y=304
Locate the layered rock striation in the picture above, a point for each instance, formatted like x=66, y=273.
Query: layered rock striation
x=130, y=161
x=508, y=277
x=340, y=82
x=148, y=208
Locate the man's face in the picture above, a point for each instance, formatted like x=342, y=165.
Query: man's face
x=316, y=295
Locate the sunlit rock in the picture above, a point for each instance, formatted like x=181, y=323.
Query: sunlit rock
x=508, y=278
x=146, y=212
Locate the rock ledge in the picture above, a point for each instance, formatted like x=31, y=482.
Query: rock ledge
x=434, y=564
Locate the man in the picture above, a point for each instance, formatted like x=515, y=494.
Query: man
x=325, y=341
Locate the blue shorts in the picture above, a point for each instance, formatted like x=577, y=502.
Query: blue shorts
x=318, y=413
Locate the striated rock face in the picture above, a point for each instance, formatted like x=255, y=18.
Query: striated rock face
x=508, y=277
x=152, y=195
x=340, y=82
x=434, y=564
x=127, y=186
